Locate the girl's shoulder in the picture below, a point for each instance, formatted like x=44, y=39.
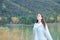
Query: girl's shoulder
x=35, y=23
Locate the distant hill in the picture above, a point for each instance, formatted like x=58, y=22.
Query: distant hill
x=29, y=7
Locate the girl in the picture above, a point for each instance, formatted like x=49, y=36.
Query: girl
x=40, y=29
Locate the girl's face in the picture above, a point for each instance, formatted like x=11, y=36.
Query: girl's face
x=39, y=17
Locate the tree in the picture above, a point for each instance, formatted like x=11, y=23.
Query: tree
x=22, y=19
x=58, y=18
x=52, y=19
x=14, y=19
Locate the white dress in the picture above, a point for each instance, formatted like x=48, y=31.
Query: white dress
x=41, y=33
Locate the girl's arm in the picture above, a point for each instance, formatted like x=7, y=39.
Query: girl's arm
x=47, y=33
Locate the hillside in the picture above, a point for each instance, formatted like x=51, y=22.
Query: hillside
x=29, y=7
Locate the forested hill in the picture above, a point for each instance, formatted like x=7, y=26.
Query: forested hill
x=29, y=7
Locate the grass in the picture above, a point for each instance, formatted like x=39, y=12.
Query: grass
x=25, y=32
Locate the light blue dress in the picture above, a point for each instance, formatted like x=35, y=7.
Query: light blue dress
x=41, y=33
